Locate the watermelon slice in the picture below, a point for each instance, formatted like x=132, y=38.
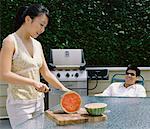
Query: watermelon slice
x=71, y=102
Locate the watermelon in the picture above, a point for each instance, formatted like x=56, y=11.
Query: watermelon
x=71, y=102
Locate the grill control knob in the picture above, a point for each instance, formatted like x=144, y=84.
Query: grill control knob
x=58, y=75
x=67, y=75
x=77, y=75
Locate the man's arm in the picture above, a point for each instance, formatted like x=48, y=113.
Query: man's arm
x=141, y=92
x=106, y=92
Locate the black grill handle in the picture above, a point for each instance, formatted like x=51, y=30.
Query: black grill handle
x=51, y=66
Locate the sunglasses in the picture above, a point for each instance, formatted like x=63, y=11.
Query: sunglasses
x=132, y=74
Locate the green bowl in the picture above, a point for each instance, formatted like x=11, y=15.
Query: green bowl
x=95, y=109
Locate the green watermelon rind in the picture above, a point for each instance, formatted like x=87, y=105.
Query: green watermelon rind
x=96, y=111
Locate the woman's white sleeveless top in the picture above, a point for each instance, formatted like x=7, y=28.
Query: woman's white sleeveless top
x=25, y=65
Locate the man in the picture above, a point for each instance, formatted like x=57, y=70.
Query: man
x=129, y=88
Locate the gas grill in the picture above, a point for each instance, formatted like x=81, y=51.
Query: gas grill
x=68, y=65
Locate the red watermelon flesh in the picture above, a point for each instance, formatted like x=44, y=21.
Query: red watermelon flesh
x=71, y=102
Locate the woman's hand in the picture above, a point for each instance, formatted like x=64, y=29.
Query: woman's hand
x=41, y=87
x=65, y=89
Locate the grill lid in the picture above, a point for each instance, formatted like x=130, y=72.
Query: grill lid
x=67, y=59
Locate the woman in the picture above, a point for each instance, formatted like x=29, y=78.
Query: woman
x=22, y=62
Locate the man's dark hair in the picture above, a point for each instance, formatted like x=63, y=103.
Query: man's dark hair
x=135, y=68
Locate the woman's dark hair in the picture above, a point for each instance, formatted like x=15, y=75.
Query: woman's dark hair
x=32, y=11
x=135, y=68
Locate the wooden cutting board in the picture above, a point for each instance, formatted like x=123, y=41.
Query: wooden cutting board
x=62, y=118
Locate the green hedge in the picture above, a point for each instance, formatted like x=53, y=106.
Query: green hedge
x=111, y=32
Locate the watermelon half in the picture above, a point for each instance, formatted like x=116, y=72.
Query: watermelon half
x=71, y=102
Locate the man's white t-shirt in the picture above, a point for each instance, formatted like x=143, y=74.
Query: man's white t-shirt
x=118, y=89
